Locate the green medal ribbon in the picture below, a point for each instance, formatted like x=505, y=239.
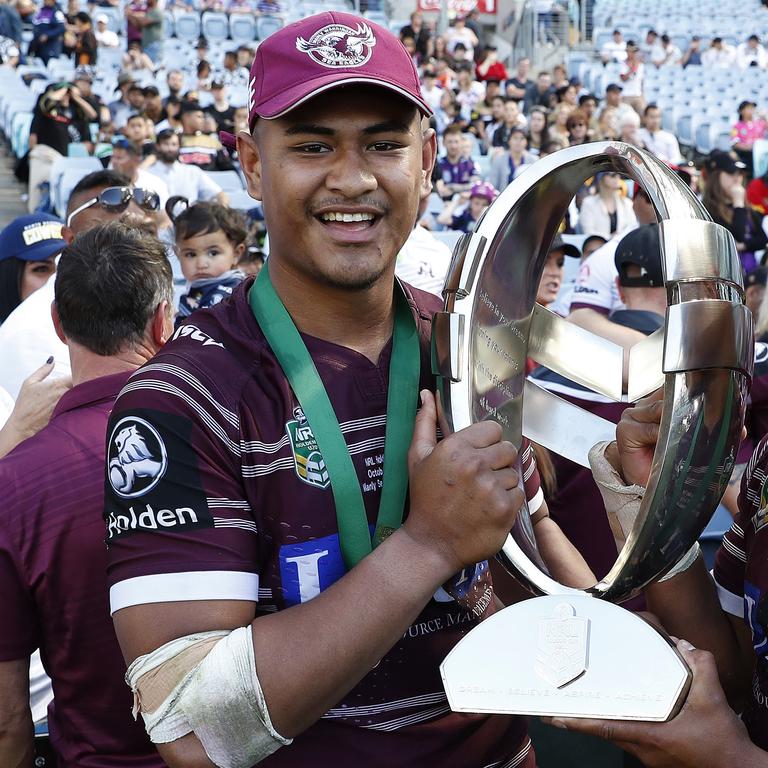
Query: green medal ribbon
x=299, y=368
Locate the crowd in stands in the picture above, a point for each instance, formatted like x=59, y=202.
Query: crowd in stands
x=129, y=125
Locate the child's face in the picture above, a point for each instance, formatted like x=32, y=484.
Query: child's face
x=206, y=256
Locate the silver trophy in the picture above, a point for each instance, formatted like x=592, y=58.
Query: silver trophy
x=574, y=652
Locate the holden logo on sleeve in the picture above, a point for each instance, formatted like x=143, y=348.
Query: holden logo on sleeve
x=137, y=457
x=338, y=45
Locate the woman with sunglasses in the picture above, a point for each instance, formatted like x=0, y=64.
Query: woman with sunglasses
x=28, y=247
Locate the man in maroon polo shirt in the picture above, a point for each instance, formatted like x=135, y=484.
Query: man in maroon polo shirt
x=243, y=485
x=113, y=299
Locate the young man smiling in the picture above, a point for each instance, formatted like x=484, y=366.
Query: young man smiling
x=284, y=426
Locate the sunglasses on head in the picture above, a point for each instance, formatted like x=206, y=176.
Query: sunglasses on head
x=117, y=199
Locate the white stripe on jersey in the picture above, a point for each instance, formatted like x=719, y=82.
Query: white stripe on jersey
x=258, y=470
x=187, y=585
x=227, y=522
x=229, y=503
x=402, y=722
x=739, y=554
x=535, y=503
x=366, y=445
x=513, y=762
x=162, y=386
x=387, y=706
x=196, y=384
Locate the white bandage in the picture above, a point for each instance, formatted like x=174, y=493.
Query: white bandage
x=622, y=501
x=206, y=684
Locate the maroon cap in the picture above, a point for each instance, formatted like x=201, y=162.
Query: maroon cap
x=322, y=52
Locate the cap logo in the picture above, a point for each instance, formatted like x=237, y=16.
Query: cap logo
x=41, y=230
x=338, y=45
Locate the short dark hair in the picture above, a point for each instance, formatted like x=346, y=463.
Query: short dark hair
x=649, y=107
x=83, y=18
x=207, y=217
x=109, y=282
x=96, y=180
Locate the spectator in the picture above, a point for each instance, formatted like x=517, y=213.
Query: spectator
x=47, y=32
x=588, y=105
x=578, y=128
x=520, y=87
x=662, y=143
x=632, y=73
x=559, y=76
x=512, y=119
x=204, y=76
x=244, y=56
x=614, y=51
x=648, y=48
x=719, y=54
x=122, y=107
x=613, y=98
x=122, y=279
x=537, y=130
x=558, y=119
x=460, y=34
x=692, y=56
x=757, y=194
x=455, y=172
x=754, y=290
x=463, y=214
x=608, y=124
x=136, y=59
x=183, y=180
x=430, y=90
x=126, y=159
x=10, y=54
x=210, y=239
x=233, y=74
x=552, y=276
x=607, y=213
x=137, y=133
x=175, y=81
x=198, y=148
x=28, y=248
x=510, y=164
x=751, y=54
x=420, y=34
x=133, y=11
x=667, y=54
x=725, y=197
x=150, y=22
x=269, y=8
x=240, y=6
x=568, y=94
x=629, y=129
x=221, y=110
x=490, y=68
x=10, y=22
x=58, y=119
x=545, y=92
x=105, y=37
x=469, y=93
x=153, y=105
x=87, y=46
x=494, y=120
x=172, y=116
x=746, y=131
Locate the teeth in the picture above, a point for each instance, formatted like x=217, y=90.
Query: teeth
x=347, y=218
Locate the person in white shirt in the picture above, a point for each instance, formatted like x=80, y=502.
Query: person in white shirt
x=632, y=74
x=470, y=93
x=607, y=213
x=648, y=48
x=461, y=33
x=667, y=54
x=430, y=89
x=106, y=38
x=719, y=54
x=613, y=99
x=126, y=158
x=614, y=50
x=183, y=179
x=751, y=54
x=661, y=143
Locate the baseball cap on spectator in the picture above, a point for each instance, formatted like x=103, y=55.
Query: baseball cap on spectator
x=102, y=18
x=83, y=73
x=758, y=276
x=724, y=161
x=589, y=239
x=322, y=52
x=558, y=244
x=124, y=78
x=166, y=133
x=642, y=248
x=151, y=90
x=190, y=105
x=613, y=87
x=217, y=84
x=485, y=190
x=33, y=237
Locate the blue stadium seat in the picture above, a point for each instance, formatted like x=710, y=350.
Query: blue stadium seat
x=240, y=200
x=187, y=26
x=266, y=25
x=169, y=28
x=242, y=28
x=215, y=26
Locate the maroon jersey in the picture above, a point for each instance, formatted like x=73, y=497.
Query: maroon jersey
x=217, y=490
x=53, y=584
x=741, y=576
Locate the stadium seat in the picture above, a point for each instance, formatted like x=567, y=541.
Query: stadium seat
x=169, y=28
x=241, y=200
x=266, y=25
x=65, y=173
x=187, y=26
x=215, y=26
x=229, y=181
x=20, y=126
x=242, y=28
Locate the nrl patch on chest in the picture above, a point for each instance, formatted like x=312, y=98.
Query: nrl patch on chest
x=307, y=459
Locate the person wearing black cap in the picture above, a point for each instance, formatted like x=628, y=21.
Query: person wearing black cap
x=724, y=198
x=198, y=148
x=576, y=504
x=754, y=290
x=552, y=276
x=613, y=98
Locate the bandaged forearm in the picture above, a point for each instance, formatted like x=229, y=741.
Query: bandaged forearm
x=206, y=684
x=622, y=501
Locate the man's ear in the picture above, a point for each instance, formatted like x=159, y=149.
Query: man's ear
x=161, y=324
x=250, y=162
x=428, y=157
x=67, y=234
x=57, y=323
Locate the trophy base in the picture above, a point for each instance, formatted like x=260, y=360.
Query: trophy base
x=567, y=655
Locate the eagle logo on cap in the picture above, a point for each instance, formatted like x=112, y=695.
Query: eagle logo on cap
x=338, y=45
